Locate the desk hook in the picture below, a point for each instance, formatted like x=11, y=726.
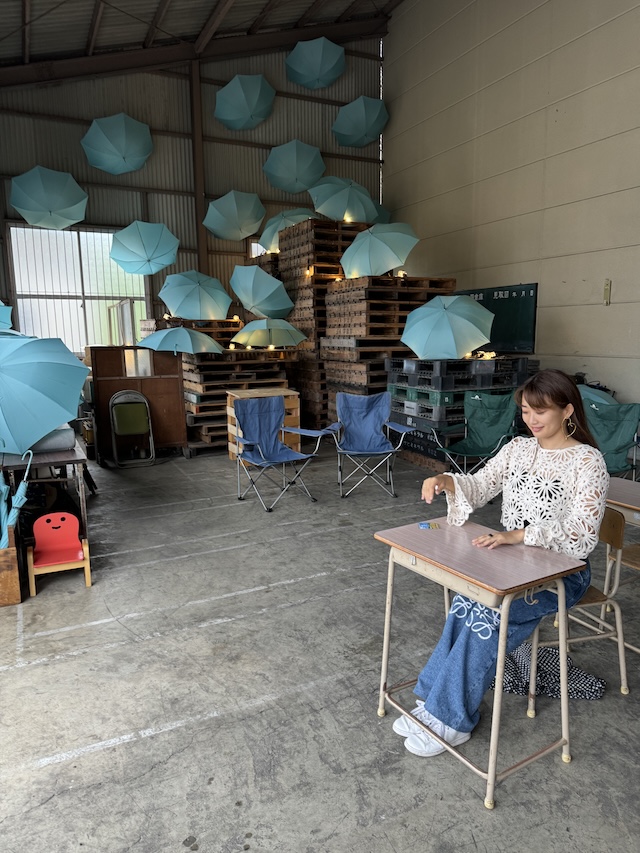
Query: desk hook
x=30, y=454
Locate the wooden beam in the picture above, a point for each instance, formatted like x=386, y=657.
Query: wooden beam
x=257, y=23
x=131, y=61
x=211, y=27
x=161, y=11
x=311, y=11
x=26, y=31
x=98, y=9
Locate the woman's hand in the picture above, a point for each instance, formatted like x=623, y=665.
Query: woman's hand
x=434, y=486
x=504, y=537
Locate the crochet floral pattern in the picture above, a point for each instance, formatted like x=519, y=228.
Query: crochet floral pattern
x=558, y=495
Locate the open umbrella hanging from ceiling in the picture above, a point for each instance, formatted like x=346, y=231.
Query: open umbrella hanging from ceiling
x=244, y=102
x=5, y=316
x=269, y=333
x=117, y=144
x=260, y=293
x=316, y=63
x=378, y=250
x=180, y=339
x=294, y=166
x=360, y=122
x=447, y=327
x=144, y=248
x=40, y=385
x=340, y=198
x=48, y=199
x=195, y=296
x=269, y=239
x=235, y=215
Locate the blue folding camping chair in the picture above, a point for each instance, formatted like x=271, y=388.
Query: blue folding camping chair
x=262, y=450
x=362, y=436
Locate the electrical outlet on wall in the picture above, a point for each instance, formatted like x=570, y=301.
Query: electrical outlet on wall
x=607, y=291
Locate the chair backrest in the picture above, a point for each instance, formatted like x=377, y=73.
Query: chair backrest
x=488, y=417
x=612, y=529
x=362, y=419
x=614, y=427
x=130, y=413
x=57, y=538
x=261, y=418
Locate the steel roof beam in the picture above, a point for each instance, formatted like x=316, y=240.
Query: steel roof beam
x=98, y=9
x=266, y=10
x=26, y=31
x=156, y=23
x=212, y=25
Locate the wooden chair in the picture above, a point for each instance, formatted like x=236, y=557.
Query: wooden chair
x=57, y=548
x=630, y=559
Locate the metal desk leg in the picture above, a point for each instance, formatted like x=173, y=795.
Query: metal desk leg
x=489, y=800
x=79, y=471
x=387, y=636
x=564, y=669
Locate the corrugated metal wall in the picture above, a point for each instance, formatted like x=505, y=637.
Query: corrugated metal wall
x=44, y=125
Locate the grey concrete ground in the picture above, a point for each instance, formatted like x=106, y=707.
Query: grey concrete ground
x=216, y=690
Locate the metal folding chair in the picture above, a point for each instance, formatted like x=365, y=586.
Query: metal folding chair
x=362, y=440
x=262, y=450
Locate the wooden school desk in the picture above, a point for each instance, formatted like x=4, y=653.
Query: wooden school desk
x=493, y=578
x=624, y=495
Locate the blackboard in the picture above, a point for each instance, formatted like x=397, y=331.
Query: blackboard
x=514, y=307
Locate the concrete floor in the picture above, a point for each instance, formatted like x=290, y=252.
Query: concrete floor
x=216, y=690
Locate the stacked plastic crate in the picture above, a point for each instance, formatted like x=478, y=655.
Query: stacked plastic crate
x=430, y=395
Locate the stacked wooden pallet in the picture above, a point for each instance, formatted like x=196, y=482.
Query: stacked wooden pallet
x=365, y=319
x=220, y=330
x=208, y=377
x=268, y=262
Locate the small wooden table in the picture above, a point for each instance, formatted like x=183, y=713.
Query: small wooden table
x=624, y=495
x=493, y=578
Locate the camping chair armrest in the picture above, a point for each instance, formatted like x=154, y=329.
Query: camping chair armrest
x=318, y=434
x=402, y=428
x=246, y=441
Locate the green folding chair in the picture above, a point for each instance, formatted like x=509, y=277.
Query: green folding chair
x=615, y=428
x=489, y=422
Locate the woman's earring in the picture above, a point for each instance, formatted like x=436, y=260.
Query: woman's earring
x=569, y=429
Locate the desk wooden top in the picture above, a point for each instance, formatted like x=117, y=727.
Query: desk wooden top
x=625, y=493
x=51, y=459
x=504, y=570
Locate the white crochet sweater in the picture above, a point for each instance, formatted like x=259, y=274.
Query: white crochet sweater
x=559, y=494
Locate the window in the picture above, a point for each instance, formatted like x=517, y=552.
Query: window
x=65, y=283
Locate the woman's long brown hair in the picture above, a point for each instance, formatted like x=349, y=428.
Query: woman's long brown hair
x=555, y=388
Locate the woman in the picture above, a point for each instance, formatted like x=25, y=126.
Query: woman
x=554, y=486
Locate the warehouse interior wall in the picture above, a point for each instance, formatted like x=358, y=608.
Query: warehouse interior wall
x=512, y=149
x=43, y=125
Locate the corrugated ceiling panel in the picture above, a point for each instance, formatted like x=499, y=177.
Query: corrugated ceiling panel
x=11, y=43
x=125, y=23
x=113, y=207
x=177, y=213
x=183, y=19
x=58, y=27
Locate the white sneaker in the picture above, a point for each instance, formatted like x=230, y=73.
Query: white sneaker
x=405, y=726
x=423, y=745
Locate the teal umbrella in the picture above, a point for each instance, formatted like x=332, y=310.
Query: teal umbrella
x=316, y=63
x=180, y=339
x=5, y=316
x=594, y=395
x=383, y=216
x=341, y=198
x=117, y=144
x=260, y=293
x=40, y=385
x=195, y=296
x=144, y=248
x=269, y=239
x=244, y=102
x=48, y=199
x=294, y=166
x=17, y=502
x=4, y=513
x=447, y=327
x=360, y=122
x=378, y=250
x=269, y=333
x=234, y=216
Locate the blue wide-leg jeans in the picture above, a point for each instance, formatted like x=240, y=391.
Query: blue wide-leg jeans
x=463, y=664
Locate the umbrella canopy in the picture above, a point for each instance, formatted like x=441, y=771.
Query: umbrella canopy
x=269, y=333
x=234, y=216
x=5, y=316
x=260, y=293
x=294, y=166
x=447, y=327
x=48, y=199
x=17, y=502
x=360, y=122
x=144, y=248
x=40, y=385
x=180, y=339
x=194, y=296
x=117, y=144
x=244, y=102
x=4, y=513
x=378, y=250
x=383, y=214
x=316, y=63
x=340, y=198
x=594, y=395
x=269, y=240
